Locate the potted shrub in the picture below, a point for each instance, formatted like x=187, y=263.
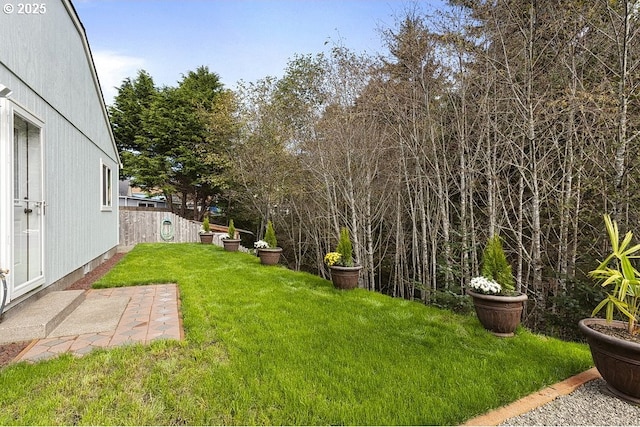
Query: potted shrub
x=497, y=304
x=230, y=242
x=615, y=344
x=206, y=236
x=268, y=249
x=344, y=272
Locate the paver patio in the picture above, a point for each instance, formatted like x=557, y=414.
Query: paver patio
x=152, y=312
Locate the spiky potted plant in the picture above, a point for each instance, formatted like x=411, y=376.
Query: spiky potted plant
x=345, y=273
x=230, y=242
x=206, y=235
x=615, y=344
x=268, y=249
x=497, y=304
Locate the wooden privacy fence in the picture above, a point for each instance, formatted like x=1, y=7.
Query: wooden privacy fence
x=150, y=225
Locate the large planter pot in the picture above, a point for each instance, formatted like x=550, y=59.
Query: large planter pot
x=617, y=360
x=499, y=314
x=345, y=277
x=206, y=238
x=270, y=256
x=231, y=245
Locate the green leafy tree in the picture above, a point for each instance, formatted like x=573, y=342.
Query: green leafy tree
x=176, y=138
x=262, y=163
x=134, y=97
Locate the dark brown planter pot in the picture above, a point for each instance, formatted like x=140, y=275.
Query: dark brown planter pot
x=231, y=245
x=499, y=314
x=617, y=360
x=345, y=277
x=270, y=256
x=206, y=238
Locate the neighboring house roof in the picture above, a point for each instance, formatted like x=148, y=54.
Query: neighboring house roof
x=126, y=190
x=85, y=42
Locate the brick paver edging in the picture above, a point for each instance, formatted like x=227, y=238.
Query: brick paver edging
x=534, y=400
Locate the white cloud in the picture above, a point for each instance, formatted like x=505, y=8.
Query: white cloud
x=112, y=69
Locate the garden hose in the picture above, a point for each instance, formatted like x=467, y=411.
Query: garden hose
x=166, y=230
x=4, y=291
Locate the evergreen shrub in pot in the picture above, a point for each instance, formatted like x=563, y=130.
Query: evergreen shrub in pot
x=498, y=306
x=206, y=235
x=344, y=271
x=268, y=249
x=230, y=242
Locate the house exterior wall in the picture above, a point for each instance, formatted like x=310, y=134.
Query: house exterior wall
x=45, y=61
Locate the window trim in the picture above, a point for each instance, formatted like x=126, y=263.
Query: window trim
x=106, y=187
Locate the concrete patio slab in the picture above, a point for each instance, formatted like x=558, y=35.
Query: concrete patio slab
x=92, y=316
x=37, y=318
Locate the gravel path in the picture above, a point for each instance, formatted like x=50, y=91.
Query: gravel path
x=589, y=405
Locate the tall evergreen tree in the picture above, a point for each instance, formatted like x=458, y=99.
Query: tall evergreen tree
x=134, y=97
x=175, y=138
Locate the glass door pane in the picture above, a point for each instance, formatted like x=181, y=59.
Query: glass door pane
x=27, y=207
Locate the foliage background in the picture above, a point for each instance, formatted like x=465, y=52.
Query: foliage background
x=517, y=118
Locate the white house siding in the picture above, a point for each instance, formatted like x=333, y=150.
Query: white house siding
x=44, y=60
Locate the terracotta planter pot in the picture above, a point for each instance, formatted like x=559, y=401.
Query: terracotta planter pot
x=345, y=277
x=499, y=314
x=231, y=245
x=617, y=360
x=206, y=238
x=269, y=256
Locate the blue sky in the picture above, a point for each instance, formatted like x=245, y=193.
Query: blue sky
x=237, y=39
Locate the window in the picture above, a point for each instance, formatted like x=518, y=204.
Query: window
x=105, y=179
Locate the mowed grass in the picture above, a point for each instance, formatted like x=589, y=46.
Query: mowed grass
x=265, y=345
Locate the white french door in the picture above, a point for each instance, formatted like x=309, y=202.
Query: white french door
x=28, y=207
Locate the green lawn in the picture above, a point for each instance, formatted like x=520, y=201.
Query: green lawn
x=265, y=345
